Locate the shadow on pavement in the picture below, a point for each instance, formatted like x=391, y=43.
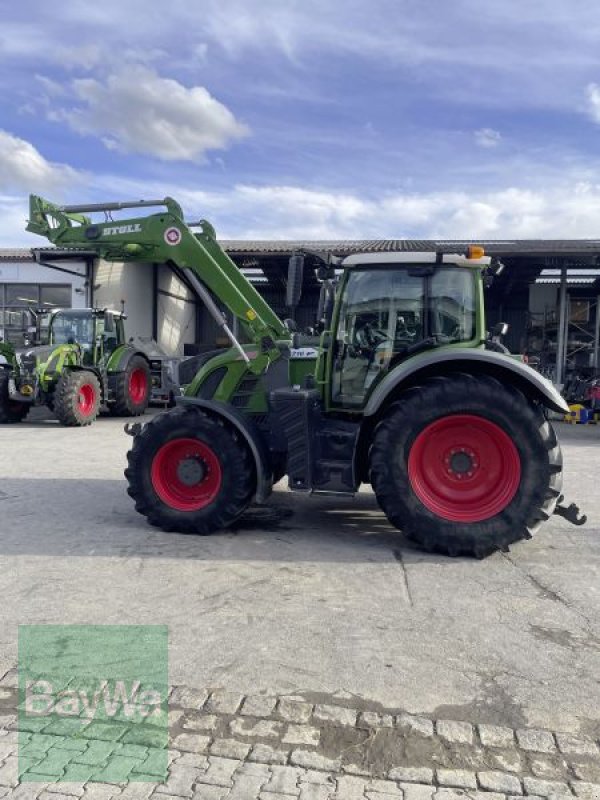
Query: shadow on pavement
x=96, y=518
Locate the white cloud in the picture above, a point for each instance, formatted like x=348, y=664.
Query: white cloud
x=487, y=137
x=22, y=167
x=565, y=210
x=516, y=41
x=51, y=87
x=13, y=209
x=137, y=111
x=593, y=101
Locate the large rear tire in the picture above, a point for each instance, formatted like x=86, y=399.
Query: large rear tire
x=132, y=389
x=465, y=465
x=77, y=398
x=10, y=410
x=189, y=472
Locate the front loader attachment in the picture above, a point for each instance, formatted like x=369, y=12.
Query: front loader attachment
x=49, y=220
x=54, y=221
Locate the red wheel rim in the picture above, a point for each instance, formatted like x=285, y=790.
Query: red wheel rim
x=464, y=468
x=138, y=385
x=186, y=474
x=86, y=399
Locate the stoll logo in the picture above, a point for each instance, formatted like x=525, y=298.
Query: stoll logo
x=93, y=703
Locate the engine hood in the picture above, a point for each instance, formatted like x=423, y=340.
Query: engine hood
x=41, y=353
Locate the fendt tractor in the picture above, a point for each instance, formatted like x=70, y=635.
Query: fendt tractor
x=75, y=361
x=402, y=389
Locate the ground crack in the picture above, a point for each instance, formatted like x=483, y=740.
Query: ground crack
x=399, y=558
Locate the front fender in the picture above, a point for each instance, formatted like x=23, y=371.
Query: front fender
x=471, y=360
x=121, y=356
x=248, y=432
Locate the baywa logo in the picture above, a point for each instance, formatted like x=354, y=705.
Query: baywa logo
x=112, y=699
x=93, y=703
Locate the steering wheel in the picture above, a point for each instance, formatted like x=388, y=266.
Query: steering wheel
x=368, y=337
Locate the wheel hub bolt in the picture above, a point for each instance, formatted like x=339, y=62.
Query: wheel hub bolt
x=191, y=471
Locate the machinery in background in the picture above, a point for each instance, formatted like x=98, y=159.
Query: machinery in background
x=74, y=361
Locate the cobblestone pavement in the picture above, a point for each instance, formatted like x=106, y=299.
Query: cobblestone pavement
x=226, y=745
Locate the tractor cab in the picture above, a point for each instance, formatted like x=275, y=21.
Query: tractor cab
x=392, y=306
x=97, y=331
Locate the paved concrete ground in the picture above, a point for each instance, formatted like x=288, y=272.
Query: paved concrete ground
x=312, y=596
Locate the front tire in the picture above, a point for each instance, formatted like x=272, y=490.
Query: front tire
x=77, y=398
x=465, y=465
x=189, y=472
x=132, y=389
x=11, y=411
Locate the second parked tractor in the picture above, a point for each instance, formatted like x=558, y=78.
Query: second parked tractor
x=78, y=362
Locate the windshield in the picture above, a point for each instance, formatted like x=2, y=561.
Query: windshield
x=71, y=327
x=387, y=313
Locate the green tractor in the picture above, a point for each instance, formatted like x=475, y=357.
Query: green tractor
x=76, y=361
x=401, y=389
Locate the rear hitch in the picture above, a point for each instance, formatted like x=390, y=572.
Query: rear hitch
x=571, y=513
x=133, y=428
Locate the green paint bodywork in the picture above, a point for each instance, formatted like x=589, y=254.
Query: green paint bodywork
x=7, y=351
x=164, y=237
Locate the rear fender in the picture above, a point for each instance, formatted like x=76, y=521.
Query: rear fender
x=468, y=360
x=121, y=356
x=471, y=360
x=249, y=433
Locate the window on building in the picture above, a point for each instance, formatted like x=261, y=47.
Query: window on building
x=55, y=296
x=15, y=298
x=22, y=294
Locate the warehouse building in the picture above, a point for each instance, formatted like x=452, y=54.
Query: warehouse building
x=547, y=291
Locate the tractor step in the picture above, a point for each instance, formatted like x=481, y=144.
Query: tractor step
x=320, y=449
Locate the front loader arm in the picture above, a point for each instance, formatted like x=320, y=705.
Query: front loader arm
x=164, y=237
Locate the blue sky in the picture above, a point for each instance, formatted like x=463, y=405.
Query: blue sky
x=306, y=119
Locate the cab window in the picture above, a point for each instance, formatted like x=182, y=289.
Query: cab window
x=386, y=312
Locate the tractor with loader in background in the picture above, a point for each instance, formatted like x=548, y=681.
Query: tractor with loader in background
x=74, y=361
x=401, y=389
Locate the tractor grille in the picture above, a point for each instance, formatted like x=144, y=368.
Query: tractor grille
x=210, y=385
x=243, y=393
x=27, y=363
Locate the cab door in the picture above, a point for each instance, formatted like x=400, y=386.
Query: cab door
x=381, y=313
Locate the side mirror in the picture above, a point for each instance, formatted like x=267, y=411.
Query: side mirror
x=294, y=281
x=500, y=329
x=488, y=280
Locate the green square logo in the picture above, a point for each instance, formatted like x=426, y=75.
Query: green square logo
x=93, y=703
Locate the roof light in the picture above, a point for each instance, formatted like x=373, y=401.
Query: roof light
x=475, y=251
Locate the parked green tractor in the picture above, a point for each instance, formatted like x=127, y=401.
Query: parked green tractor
x=403, y=389
x=83, y=363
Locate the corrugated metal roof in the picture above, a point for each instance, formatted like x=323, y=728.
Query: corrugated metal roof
x=15, y=254
x=346, y=247
x=28, y=253
x=506, y=247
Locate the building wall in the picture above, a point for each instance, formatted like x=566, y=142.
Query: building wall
x=541, y=297
x=127, y=286
x=26, y=284
x=28, y=272
x=176, y=313
x=166, y=312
